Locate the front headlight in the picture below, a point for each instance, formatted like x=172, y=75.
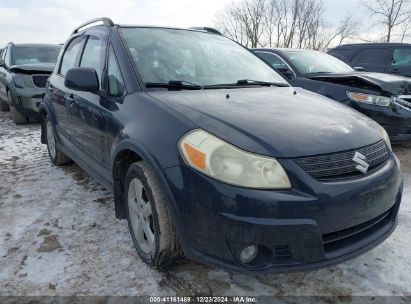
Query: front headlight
x=370, y=99
x=227, y=163
x=386, y=138
x=18, y=81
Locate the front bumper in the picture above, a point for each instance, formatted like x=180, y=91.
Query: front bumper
x=395, y=119
x=27, y=101
x=314, y=225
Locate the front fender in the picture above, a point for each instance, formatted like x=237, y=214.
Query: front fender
x=139, y=149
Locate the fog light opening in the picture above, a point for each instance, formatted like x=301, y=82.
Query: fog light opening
x=248, y=254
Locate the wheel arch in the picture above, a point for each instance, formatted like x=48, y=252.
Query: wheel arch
x=44, y=111
x=126, y=153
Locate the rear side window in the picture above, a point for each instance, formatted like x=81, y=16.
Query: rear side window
x=401, y=57
x=94, y=55
x=272, y=60
x=70, y=55
x=115, y=81
x=371, y=56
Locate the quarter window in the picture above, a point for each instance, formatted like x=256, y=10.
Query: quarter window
x=70, y=55
x=115, y=81
x=94, y=55
x=401, y=57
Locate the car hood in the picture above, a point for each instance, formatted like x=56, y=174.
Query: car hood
x=279, y=122
x=389, y=84
x=46, y=68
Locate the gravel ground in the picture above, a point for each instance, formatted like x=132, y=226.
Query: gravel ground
x=59, y=236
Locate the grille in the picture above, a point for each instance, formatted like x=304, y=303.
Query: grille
x=335, y=241
x=40, y=81
x=282, y=253
x=341, y=165
x=404, y=102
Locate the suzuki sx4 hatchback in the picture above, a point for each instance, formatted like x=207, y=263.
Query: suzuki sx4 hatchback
x=211, y=154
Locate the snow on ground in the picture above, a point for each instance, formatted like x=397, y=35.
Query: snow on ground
x=59, y=236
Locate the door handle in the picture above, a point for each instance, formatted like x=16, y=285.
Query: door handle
x=70, y=99
x=395, y=71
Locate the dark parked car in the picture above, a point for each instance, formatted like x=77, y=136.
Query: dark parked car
x=384, y=98
x=391, y=58
x=24, y=69
x=220, y=160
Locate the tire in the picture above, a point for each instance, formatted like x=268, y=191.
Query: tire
x=56, y=156
x=164, y=248
x=15, y=115
x=4, y=106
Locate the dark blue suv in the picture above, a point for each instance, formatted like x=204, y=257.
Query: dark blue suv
x=210, y=153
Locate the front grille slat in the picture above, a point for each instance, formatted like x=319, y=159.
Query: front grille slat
x=40, y=81
x=341, y=165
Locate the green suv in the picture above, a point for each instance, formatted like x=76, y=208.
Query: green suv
x=24, y=70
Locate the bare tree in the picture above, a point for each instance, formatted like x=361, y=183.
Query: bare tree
x=391, y=13
x=282, y=23
x=244, y=22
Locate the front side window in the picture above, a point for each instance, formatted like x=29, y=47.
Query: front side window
x=34, y=54
x=115, y=80
x=94, y=55
x=317, y=62
x=163, y=55
x=401, y=57
x=273, y=60
x=70, y=56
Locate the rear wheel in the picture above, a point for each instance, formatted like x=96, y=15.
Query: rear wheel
x=15, y=115
x=151, y=228
x=56, y=156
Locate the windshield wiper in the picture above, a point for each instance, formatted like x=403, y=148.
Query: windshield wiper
x=175, y=84
x=248, y=82
x=261, y=83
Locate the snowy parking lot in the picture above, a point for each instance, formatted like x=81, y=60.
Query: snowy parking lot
x=59, y=236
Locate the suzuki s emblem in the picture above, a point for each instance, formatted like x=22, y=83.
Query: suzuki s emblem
x=360, y=160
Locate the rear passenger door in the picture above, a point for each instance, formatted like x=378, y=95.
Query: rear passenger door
x=400, y=61
x=57, y=91
x=87, y=118
x=372, y=59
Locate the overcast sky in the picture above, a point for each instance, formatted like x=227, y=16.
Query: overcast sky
x=52, y=21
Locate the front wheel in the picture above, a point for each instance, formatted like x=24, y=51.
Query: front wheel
x=15, y=115
x=149, y=220
x=56, y=156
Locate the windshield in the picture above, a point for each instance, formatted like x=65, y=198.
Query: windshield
x=164, y=55
x=31, y=54
x=317, y=62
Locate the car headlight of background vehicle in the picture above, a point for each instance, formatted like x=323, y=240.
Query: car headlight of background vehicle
x=18, y=81
x=227, y=163
x=370, y=99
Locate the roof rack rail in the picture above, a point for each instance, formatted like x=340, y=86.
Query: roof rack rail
x=207, y=29
x=106, y=22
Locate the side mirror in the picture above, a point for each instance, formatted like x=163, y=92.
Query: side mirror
x=359, y=69
x=82, y=79
x=286, y=72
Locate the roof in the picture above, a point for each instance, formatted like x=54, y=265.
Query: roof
x=107, y=22
x=373, y=44
x=283, y=50
x=36, y=45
